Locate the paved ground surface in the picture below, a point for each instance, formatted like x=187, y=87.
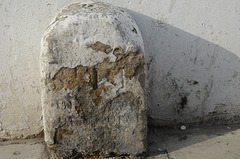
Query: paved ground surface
x=23, y=149
x=215, y=142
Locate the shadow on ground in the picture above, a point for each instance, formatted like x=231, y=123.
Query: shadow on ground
x=165, y=140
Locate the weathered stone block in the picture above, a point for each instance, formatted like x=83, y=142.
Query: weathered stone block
x=92, y=67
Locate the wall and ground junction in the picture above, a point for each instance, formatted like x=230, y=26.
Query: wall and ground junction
x=192, y=57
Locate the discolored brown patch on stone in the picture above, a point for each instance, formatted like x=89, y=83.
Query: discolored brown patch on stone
x=101, y=47
x=16, y=153
x=69, y=78
x=61, y=133
x=99, y=93
x=117, y=51
x=54, y=146
x=128, y=62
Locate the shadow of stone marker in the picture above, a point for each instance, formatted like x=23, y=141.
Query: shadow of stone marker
x=93, y=73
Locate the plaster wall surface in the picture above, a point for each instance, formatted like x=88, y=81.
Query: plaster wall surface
x=192, y=52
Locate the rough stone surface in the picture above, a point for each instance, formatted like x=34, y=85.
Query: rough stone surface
x=93, y=74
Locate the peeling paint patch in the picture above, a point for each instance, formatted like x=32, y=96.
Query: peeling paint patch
x=68, y=78
x=101, y=47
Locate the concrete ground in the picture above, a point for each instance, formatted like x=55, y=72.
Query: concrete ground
x=23, y=149
x=215, y=142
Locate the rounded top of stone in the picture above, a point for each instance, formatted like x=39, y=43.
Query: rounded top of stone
x=87, y=8
x=86, y=33
x=83, y=13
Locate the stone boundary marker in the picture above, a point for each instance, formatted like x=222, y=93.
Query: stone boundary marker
x=93, y=74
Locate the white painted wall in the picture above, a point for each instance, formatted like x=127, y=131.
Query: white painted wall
x=192, y=52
